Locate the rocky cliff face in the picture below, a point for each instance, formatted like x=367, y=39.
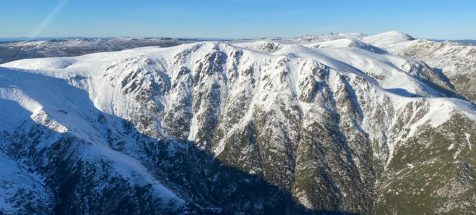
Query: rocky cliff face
x=255, y=127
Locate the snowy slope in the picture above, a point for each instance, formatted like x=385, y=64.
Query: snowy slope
x=387, y=38
x=18, y=188
x=454, y=60
x=30, y=99
x=329, y=37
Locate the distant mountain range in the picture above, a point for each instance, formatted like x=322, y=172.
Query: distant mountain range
x=66, y=47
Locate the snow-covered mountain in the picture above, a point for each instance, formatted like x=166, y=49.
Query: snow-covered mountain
x=331, y=124
x=454, y=60
x=67, y=47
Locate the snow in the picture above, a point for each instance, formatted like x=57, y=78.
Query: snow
x=35, y=97
x=440, y=110
x=387, y=38
x=41, y=96
x=345, y=43
x=329, y=37
x=67, y=94
x=10, y=174
x=131, y=169
x=468, y=140
x=342, y=59
x=383, y=70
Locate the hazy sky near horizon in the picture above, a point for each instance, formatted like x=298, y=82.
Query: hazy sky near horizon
x=436, y=19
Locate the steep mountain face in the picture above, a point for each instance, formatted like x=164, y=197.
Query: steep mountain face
x=241, y=127
x=20, y=191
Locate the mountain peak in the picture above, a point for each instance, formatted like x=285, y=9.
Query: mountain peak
x=388, y=38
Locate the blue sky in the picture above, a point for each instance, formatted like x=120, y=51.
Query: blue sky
x=438, y=19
